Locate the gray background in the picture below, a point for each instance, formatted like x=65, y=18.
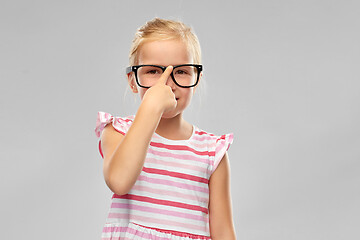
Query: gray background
x=282, y=75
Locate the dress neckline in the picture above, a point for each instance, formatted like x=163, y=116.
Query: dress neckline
x=180, y=140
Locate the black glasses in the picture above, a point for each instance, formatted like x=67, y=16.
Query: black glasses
x=185, y=75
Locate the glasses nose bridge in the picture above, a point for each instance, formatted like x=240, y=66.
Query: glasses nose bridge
x=171, y=77
x=170, y=81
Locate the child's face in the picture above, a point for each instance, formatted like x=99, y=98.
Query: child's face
x=165, y=53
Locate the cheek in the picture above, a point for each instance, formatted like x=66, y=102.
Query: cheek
x=142, y=92
x=187, y=95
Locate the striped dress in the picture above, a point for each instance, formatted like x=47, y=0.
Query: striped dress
x=171, y=195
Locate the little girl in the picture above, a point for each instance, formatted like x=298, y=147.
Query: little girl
x=170, y=179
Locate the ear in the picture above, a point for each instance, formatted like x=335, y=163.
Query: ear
x=132, y=82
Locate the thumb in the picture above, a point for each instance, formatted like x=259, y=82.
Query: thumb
x=163, y=78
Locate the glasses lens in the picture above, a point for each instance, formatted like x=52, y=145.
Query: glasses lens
x=185, y=75
x=148, y=75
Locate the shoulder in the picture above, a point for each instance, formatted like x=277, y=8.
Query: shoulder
x=108, y=128
x=120, y=124
x=211, y=137
x=218, y=145
x=205, y=135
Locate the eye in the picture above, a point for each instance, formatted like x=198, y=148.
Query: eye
x=181, y=71
x=153, y=71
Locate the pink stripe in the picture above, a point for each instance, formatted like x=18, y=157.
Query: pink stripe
x=143, y=234
x=169, y=193
x=119, y=215
x=124, y=119
x=178, y=156
x=197, y=137
x=101, y=153
x=177, y=165
x=226, y=140
x=176, y=175
x=220, y=146
x=172, y=183
x=101, y=121
x=123, y=133
x=231, y=139
x=203, y=138
x=177, y=233
x=135, y=232
x=153, y=221
x=204, y=145
x=162, y=202
x=100, y=149
x=160, y=211
x=113, y=229
x=202, y=133
x=140, y=233
x=182, y=148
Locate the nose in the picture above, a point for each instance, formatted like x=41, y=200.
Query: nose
x=170, y=82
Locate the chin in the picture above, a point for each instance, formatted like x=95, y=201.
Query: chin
x=171, y=114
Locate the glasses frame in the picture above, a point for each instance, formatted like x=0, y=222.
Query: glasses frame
x=135, y=68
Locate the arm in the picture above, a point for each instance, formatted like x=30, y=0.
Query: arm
x=124, y=156
x=221, y=220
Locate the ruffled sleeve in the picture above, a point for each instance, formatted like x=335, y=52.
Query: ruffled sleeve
x=223, y=143
x=120, y=124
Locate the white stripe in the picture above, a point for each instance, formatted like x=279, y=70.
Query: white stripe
x=178, y=198
x=191, y=184
x=191, y=159
x=159, y=214
x=160, y=206
x=178, y=169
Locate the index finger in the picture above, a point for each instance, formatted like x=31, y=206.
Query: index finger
x=163, y=78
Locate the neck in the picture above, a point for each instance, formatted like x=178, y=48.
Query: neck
x=175, y=128
x=170, y=124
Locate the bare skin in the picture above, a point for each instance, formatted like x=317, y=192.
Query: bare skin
x=220, y=209
x=164, y=53
x=161, y=111
x=124, y=157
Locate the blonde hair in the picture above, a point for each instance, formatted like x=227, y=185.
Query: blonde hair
x=161, y=29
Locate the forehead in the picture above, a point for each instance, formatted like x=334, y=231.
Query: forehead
x=164, y=53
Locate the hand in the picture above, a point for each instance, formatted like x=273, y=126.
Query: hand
x=161, y=95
